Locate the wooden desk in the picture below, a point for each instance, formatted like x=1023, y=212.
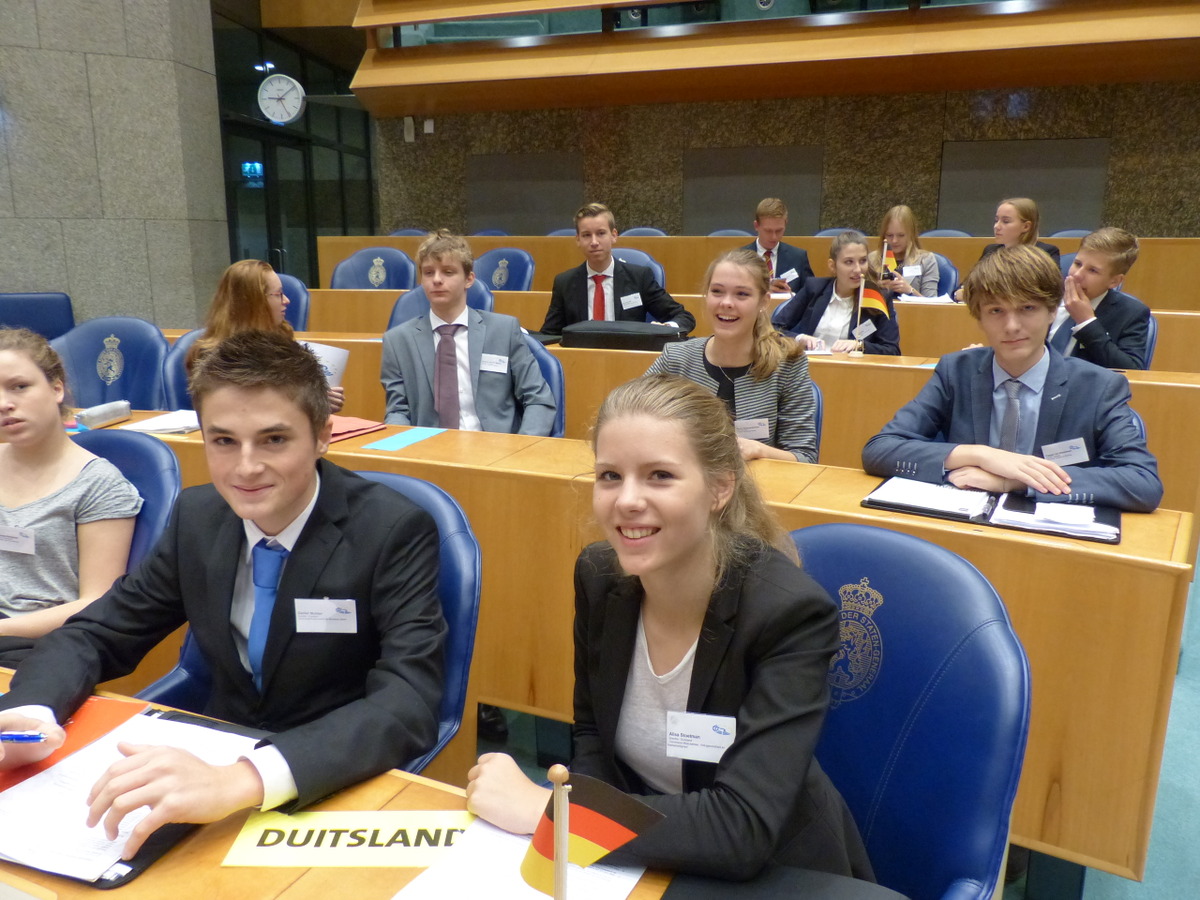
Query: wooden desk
x=1100, y=624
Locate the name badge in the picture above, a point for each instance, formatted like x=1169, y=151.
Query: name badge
x=698, y=736
x=865, y=330
x=1066, y=453
x=16, y=540
x=752, y=429
x=320, y=615
x=631, y=301
x=493, y=362
x=789, y=275
x=910, y=271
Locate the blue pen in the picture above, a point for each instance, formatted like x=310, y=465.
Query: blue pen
x=21, y=737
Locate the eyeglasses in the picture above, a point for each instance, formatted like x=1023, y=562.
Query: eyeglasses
x=275, y=295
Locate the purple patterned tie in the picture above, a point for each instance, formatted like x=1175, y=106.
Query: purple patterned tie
x=445, y=376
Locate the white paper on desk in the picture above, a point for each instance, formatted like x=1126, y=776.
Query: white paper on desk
x=1075, y=520
x=917, y=298
x=943, y=498
x=486, y=862
x=43, y=820
x=332, y=359
x=179, y=422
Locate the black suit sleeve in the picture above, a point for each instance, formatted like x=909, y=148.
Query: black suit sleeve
x=1124, y=350
x=556, y=314
x=661, y=305
x=787, y=316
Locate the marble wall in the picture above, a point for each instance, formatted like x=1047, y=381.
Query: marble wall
x=110, y=156
x=633, y=155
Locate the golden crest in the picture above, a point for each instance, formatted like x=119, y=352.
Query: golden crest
x=111, y=361
x=855, y=665
x=500, y=276
x=377, y=273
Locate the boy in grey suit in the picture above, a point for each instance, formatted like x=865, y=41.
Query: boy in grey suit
x=459, y=367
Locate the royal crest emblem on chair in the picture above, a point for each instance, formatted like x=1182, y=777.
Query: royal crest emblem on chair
x=500, y=276
x=855, y=665
x=111, y=361
x=377, y=273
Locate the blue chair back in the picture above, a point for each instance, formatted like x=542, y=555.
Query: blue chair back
x=175, y=378
x=114, y=358
x=409, y=232
x=834, y=232
x=552, y=371
x=151, y=467
x=48, y=313
x=460, y=580
x=929, y=709
x=297, y=309
x=1072, y=232
x=1151, y=339
x=561, y=232
x=360, y=271
x=414, y=303
x=644, y=231
x=818, y=415
x=489, y=232
x=730, y=232
x=944, y=232
x=1138, y=423
x=1064, y=263
x=947, y=275
x=505, y=269
x=642, y=258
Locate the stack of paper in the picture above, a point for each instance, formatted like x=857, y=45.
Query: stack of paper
x=181, y=421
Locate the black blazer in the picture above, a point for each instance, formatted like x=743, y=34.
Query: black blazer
x=345, y=706
x=1044, y=247
x=802, y=314
x=1118, y=337
x=788, y=257
x=570, y=300
x=762, y=656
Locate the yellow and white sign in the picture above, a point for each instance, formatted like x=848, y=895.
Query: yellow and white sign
x=397, y=839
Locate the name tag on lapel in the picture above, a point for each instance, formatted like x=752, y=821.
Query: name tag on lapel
x=631, y=301
x=493, y=362
x=320, y=615
x=698, y=736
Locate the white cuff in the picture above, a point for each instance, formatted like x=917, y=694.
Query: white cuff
x=33, y=711
x=1075, y=328
x=278, y=784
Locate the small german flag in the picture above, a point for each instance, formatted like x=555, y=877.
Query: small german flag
x=872, y=299
x=601, y=819
x=889, y=260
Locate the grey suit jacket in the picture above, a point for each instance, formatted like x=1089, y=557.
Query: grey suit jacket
x=516, y=401
x=1079, y=400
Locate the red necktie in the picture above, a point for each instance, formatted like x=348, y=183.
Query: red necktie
x=767, y=260
x=598, y=298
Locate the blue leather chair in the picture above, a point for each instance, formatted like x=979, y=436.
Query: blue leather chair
x=151, y=467
x=48, y=313
x=409, y=232
x=552, y=371
x=834, y=232
x=644, y=231
x=505, y=269
x=944, y=232
x=413, y=303
x=947, y=275
x=641, y=258
x=1151, y=339
x=394, y=271
x=561, y=232
x=818, y=415
x=490, y=232
x=1072, y=233
x=114, y=358
x=297, y=309
x=1138, y=423
x=175, y=379
x=1064, y=263
x=460, y=581
x=730, y=232
x=929, y=712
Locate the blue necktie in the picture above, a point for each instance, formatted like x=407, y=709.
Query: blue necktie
x=266, y=563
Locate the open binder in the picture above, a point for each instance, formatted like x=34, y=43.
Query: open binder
x=1012, y=510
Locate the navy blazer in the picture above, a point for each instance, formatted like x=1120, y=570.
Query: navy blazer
x=1117, y=338
x=762, y=657
x=1079, y=400
x=788, y=257
x=345, y=706
x=571, y=299
x=802, y=314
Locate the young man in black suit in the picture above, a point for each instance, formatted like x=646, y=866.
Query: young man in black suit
x=343, y=662
x=788, y=265
x=604, y=288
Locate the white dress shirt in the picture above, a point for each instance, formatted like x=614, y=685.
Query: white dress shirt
x=1061, y=315
x=835, y=323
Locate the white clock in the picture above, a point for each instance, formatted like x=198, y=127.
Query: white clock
x=281, y=99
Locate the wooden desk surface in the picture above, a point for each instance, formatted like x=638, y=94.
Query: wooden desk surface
x=1100, y=624
x=192, y=870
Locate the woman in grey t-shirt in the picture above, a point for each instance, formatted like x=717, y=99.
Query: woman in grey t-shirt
x=66, y=516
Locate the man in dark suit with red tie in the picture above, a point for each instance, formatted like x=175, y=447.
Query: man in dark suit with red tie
x=604, y=288
x=788, y=265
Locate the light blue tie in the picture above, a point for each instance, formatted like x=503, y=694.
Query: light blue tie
x=1010, y=425
x=266, y=562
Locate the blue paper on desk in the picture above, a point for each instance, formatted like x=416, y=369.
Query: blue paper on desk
x=404, y=439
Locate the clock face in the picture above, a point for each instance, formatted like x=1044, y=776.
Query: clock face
x=281, y=99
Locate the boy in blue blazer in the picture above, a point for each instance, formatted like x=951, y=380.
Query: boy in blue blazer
x=459, y=367
x=788, y=265
x=1017, y=414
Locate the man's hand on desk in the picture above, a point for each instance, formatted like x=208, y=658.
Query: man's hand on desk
x=177, y=786
x=14, y=755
